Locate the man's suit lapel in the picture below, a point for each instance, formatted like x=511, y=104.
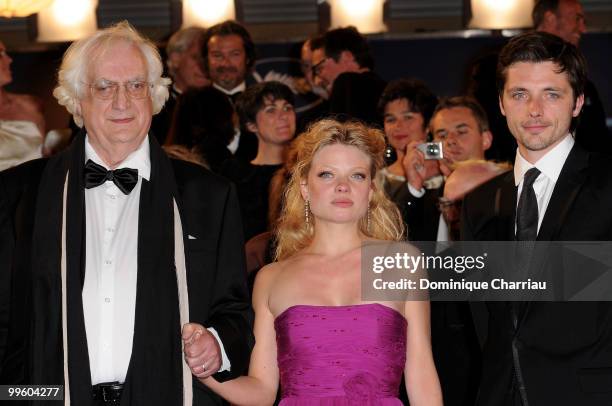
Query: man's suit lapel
x=505, y=207
x=568, y=185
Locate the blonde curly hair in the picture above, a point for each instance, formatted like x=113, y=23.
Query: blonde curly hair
x=72, y=76
x=292, y=232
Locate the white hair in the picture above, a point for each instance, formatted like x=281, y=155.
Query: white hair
x=72, y=76
x=180, y=42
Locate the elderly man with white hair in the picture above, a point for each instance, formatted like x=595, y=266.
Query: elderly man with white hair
x=110, y=248
x=184, y=62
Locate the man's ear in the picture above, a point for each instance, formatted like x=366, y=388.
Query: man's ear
x=501, y=106
x=487, y=139
x=346, y=58
x=174, y=59
x=578, y=105
x=77, y=107
x=549, y=22
x=252, y=127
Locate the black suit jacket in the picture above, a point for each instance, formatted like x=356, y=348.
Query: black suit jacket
x=561, y=351
x=355, y=96
x=218, y=295
x=421, y=214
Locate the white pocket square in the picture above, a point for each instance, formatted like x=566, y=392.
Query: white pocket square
x=191, y=237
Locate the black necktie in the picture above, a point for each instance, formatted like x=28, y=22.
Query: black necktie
x=95, y=175
x=234, y=98
x=527, y=209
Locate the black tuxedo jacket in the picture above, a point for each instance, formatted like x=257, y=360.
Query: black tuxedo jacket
x=355, y=96
x=216, y=275
x=421, y=214
x=561, y=352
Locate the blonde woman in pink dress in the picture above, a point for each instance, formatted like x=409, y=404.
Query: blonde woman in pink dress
x=314, y=334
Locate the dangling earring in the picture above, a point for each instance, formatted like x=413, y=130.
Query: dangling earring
x=369, y=219
x=307, y=212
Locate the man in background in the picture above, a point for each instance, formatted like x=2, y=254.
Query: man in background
x=229, y=57
x=343, y=66
x=184, y=63
x=461, y=125
x=565, y=19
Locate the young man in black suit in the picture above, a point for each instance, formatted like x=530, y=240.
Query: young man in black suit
x=110, y=248
x=545, y=353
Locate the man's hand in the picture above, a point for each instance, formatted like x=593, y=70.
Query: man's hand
x=446, y=166
x=417, y=168
x=202, y=351
x=414, y=165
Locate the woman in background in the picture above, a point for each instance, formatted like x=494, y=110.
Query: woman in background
x=314, y=334
x=22, y=125
x=266, y=110
x=407, y=106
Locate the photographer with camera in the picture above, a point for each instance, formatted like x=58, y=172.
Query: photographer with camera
x=460, y=132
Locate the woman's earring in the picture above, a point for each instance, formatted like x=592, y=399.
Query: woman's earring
x=307, y=212
x=369, y=219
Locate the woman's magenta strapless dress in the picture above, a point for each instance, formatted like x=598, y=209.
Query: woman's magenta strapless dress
x=340, y=355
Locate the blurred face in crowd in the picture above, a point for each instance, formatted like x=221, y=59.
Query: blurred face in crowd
x=403, y=125
x=226, y=60
x=458, y=130
x=568, y=22
x=117, y=106
x=325, y=70
x=188, y=72
x=306, y=63
x=339, y=185
x=275, y=122
x=6, y=76
x=539, y=104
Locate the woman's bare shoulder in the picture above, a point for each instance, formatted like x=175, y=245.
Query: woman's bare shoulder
x=27, y=101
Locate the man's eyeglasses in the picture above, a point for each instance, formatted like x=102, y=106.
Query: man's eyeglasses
x=106, y=89
x=316, y=69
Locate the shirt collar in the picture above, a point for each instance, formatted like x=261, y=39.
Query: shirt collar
x=139, y=159
x=550, y=164
x=240, y=88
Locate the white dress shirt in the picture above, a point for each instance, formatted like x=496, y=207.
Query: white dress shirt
x=240, y=88
x=111, y=254
x=233, y=145
x=550, y=166
x=109, y=290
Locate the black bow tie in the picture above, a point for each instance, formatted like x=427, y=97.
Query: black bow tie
x=95, y=175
